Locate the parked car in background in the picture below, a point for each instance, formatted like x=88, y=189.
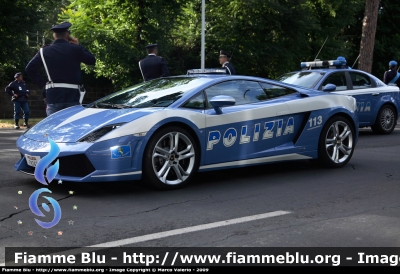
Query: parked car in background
x=378, y=104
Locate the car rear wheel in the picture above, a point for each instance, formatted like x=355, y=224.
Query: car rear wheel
x=171, y=159
x=385, y=120
x=336, y=142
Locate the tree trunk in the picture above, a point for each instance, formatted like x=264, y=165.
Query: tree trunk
x=368, y=35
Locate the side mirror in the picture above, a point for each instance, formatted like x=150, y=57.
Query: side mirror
x=222, y=101
x=329, y=87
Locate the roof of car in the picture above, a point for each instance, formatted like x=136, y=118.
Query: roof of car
x=331, y=70
x=326, y=69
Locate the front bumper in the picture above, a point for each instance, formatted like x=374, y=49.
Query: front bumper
x=87, y=162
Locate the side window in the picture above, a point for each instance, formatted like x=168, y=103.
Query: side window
x=338, y=79
x=196, y=102
x=244, y=92
x=360, y=80
x=272, y=91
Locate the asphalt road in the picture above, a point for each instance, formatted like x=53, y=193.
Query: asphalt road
x=355, y=206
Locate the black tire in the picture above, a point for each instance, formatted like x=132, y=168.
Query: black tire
x=329, y=142
x=385, y=120
x=167, y=157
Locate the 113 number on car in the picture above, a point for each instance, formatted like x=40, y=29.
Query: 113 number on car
x=315, y=122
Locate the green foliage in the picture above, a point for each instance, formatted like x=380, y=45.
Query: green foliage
x=16, y=19
x=267, y=37
x=23, y=27
x=116, y=32
x=387, y=39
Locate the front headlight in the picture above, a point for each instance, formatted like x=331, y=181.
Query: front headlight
x=97, y=134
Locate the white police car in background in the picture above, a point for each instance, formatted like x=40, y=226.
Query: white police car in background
x=378, y=104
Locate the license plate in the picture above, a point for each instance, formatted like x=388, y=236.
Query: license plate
x=32, y=160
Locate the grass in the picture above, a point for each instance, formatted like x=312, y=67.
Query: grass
x=9, y=123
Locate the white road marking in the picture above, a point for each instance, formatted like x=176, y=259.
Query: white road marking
x=169, y=233
x=189, y=229
x=9, y=150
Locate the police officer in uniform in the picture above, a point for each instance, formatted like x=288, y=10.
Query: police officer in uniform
x=392, y=76
x=153, y=66
x=20, y=93
x=224, y=58
x=62, y=63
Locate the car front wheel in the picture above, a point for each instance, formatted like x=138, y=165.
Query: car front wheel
x=385, y=120
x=336, y=143
x=171, y=158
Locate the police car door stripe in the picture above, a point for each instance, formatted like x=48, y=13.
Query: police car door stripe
x=273, y=110
x=84, y=113
x=366, y=91
x=118, y=174
x=145, y=123
x=322, y=102
x=253, y=112
x=287, y=157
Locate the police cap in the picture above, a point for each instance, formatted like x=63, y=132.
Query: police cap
x=223, y=53
x=151, y=46
x=392, y=63
x=63, y=27
x=17, y=74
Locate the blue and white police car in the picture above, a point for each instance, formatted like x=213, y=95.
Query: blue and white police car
x=165, y=130
x=378, y=104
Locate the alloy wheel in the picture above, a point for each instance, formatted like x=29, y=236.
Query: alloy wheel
x=173, y=158
x=339, y=141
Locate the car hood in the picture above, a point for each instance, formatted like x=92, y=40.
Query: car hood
x=70, y=125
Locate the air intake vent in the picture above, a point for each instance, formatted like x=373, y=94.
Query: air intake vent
x=75, y=166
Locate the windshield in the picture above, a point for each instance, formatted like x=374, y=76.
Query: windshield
x=306, y=79
x=156, y=93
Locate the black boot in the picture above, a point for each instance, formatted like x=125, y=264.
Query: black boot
x=16, y=126
x=26, y=124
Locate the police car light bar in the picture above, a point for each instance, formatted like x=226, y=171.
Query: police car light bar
x=320, y=64
x=207, y=71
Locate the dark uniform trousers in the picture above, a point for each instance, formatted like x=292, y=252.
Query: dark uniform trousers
x=63, y=61
x=21, y=101
x=229, y=68
x=153, y=67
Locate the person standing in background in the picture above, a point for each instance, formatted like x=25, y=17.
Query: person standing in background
x=62, y=63
x=392, y=76
x=20, y=93
x=153, y=66
x=224, y=58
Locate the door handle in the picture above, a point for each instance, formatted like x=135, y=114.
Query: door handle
x=375, y=94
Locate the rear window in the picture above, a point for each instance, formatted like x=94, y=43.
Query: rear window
x=360, y=80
